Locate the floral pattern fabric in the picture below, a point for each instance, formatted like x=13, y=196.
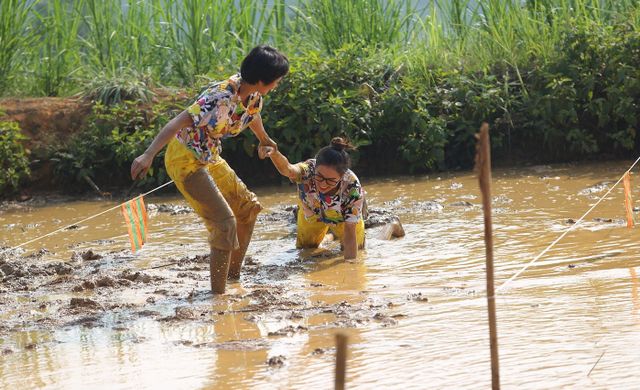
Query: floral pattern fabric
x=346, y=205
x=218, y=113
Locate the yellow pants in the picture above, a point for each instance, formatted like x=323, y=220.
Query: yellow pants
x=221, y=202
x=311, y=233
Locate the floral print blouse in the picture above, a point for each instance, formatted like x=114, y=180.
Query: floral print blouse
x=218, y=113
x=346, y=205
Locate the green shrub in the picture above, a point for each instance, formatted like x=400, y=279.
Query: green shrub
x=586, y=101
x=123, y=85
x=14, y=167
x=114, y=137
x=324, y=97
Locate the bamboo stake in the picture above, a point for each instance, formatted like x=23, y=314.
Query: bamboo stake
x=483, y=167
x=341, y=360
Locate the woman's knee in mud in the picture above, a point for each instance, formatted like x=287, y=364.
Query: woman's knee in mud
x=225, y=235
x=253, y=215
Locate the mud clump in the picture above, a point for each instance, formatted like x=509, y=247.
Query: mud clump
x=89, y=256
x=38, y=254
x=148, y=313
x=238, y=345
x=385, y=319
x=192, y=275
x=608, y=220
x=13, y=270
x=87, y=322
x=171, y=209
x=106, y=281
x=379, y=217
x=61, y=268
x=85, y=285
x=184, y=313
x=137, y=276
x=289, y=331
x=596, y=188
x=501, y=199
x=417, y=297
x=85, y=303
x=276, y=361
x=462, y=203
x=279, y=214
x=428, y=205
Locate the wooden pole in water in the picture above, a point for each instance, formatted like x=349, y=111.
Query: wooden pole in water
x=341, y=360
x=483, y=167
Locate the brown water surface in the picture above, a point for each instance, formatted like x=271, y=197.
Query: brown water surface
x=577, y=302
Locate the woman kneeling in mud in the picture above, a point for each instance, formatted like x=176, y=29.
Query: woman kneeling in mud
x=330, y=198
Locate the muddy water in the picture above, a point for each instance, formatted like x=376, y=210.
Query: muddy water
x=413, y=308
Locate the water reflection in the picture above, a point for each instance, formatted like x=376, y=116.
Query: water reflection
x=553, y=322
x=634, y=294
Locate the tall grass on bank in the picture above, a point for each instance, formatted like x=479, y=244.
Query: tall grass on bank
x=497, y=34
x=173, y=42
x=116, y=35
x=58, y=55
x=205, y=34
x=382, y=23
x=16, y=34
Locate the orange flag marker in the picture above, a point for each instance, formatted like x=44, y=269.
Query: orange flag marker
x=628, y=204
x=135, y=216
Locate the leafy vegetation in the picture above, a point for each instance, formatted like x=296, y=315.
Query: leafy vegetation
x=408, y=81
x=14, y=160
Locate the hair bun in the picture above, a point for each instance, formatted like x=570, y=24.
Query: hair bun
x=340, y=144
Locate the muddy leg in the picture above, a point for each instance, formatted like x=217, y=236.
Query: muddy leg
x=245, y=230
x=398, y=230
x=218, y=269
x=205, y=197
x=392, y=229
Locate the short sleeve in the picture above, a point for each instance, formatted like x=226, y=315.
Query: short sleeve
x=211, y=108
x=305, y=171
x=353, y=201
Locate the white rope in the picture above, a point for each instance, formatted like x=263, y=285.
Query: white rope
x=84, y=220
x=566, y=231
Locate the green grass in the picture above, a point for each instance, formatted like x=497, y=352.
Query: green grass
x=51, y=47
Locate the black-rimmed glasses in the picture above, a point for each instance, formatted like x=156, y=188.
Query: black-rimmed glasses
x=329, y=180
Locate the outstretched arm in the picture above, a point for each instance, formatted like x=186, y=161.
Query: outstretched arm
x=282, y=164
x=257, y=128
x=142, y=163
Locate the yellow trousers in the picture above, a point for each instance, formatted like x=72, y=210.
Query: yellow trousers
x=311, y=233
x=214, y=191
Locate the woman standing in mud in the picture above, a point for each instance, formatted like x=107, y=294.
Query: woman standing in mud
x=193, y=161
x=330, y=197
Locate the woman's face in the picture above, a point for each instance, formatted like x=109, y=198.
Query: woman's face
x=326, y=178
x=266, y=88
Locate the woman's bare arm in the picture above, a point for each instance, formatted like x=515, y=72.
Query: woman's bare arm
x=142, y=163
x=350, y=244
x=281, y=162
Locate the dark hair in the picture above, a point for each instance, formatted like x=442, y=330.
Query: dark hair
x=336, y=155
x=264, y=63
